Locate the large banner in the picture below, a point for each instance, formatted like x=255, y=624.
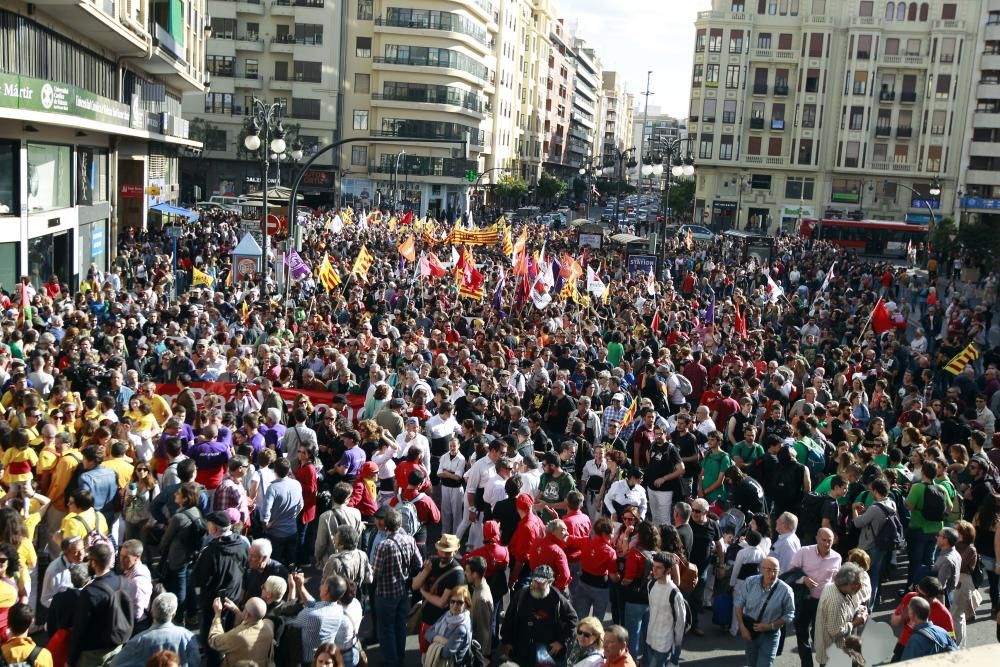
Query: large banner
x=227, y=390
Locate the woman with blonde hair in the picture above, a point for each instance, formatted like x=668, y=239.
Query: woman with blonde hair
x=967, y=596
x=450, y=637
x=864, y=561
x=588, y=648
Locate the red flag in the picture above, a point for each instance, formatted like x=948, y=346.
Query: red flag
x=740, y=323
x=407, y=219
x=881, y=320
x=656, y=323
x=435, y=265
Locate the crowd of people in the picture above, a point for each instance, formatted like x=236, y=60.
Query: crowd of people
x=201, y=470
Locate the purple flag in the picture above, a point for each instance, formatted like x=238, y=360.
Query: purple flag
x=297, y=268
x=710, y=313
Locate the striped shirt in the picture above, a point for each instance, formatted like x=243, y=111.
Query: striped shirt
x=397, y=560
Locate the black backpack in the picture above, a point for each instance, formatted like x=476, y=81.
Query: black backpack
x=811, y=512
x=27, y=662
x=935, y=503
x=122, y=611
x=891, y=535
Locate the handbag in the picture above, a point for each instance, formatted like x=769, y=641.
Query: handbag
x=750, y=621
x=415, y=618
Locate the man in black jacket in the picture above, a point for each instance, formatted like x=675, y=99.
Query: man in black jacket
x=539, y=616
x=219, y=572
x=90, y=636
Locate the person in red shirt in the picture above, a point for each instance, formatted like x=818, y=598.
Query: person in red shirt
x=577, y=525
x=930, y=589
x=726, y=407
x=411, y=463
x=528, y=530
x=598, y=566
x=365, y=490
x=550, y=550
x=712, y=396
x=697, y=375
x=497, y=558
x=306, y=475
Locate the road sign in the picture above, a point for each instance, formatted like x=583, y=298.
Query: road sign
x=273, y=224
x=253, y=228
x=153, y=190
x=174, y=232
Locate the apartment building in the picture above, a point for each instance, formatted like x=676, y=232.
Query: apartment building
x=535, y=32
x=617, y=116
x=275, y=51
x=584, y=131
x=90, y=126
x=819, y=108
x=979, y=171
x=559, y=83
x=654, y=130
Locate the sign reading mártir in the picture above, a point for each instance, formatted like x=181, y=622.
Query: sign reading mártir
x=23, y=92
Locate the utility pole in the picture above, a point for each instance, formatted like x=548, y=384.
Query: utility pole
x=645, y=117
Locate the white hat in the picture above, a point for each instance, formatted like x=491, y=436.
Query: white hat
x=618, y=397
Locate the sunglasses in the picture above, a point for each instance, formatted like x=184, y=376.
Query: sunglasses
x=456, y=602
x=584, y=633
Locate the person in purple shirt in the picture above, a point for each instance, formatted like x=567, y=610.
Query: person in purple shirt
x=211, y=457
x=174, y=428
x=272, y=430
x=350, y=463
x=251, y=434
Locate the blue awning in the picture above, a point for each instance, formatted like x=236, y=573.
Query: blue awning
x=167, y=209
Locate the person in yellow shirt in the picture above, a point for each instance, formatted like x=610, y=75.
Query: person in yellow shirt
x=81, y=519
x=158, y=404
x=19, y=647
x=62, y=472
x=144, y=422
x=19, y=460
x=20, y=515
x=19, y=382
x=120, y=463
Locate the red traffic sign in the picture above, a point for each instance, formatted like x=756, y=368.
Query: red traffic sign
x=273, y=224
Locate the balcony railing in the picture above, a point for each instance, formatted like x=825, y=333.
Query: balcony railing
x=448, y=26
x=476, y=137
x=298, y=3
x=424, y=62
x=470, y=102
x=887, y=96
x=781, y=89
x=760, y=89
x=904, y=132
x=908, y=96
x=756, y=123
x=883, y=131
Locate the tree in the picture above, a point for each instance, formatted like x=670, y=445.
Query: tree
x=510, y=189
x=550, y=187
x=681, y=197
x=943, y=237
x=980, y=240
x=579, y=189
x=608, y=187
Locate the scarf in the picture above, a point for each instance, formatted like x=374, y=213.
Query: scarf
x=454, y=620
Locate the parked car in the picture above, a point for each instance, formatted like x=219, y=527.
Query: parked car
x=698, y=232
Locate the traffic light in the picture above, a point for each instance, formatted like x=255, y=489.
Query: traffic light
x=471, y=176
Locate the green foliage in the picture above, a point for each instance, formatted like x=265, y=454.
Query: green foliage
x=608, y=187
x=944, y=235
x=981, y=240
x=510, y=189
x=550, y=187
x=681, y=196
x=579, y=189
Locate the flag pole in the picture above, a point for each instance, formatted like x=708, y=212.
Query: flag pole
x=867, y=322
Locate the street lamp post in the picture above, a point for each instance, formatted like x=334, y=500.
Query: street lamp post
x=265, y=131
x=934, y=191
x=740, y=184
x=623, y=158
x=588, y=170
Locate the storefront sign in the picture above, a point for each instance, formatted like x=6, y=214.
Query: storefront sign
x=918, y=202
x=641, y=264
x=794, y=211
x=845, y=197
x=127, y=191
x=316, y=178
x=97, y=239
x=23, y=92
x=980, y=202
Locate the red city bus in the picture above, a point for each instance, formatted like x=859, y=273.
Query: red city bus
x=877, y=238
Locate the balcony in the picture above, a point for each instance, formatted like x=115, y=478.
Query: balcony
x=477, y=138
x=756, y=123
x=910, y=60
x=99, y=20
x=887, y=96
x=283, y=44
x=169, y=61
x=904, y=132
x=431, y=96
x=908, y=96
x=249, y=7
x=781, y=89
x=281, y=8
x=249, y=43
x=885, y=131
x=770, y=160
x=250, y=80
x=444, y=26
x=279, y=83
x=760, y=89
x=867, y=21
x=424, y=62
x=778, y=124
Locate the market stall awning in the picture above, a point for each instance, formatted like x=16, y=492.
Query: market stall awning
x=167, y=209
x=626, y=238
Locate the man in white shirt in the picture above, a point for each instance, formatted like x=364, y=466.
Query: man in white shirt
x=495, y=490
x=479, y=475
x=411, y=437
x=667, y=613
x=625, y=492
x=451, y=474
x=703, y=422
x=57, y=577
x=787, y=544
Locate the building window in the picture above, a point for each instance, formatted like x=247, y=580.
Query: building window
x=708, y=111
x=764, y=40
x=10, y=168
x=360, y=119
x=933, y=159
x=948, y=11
x=251, y=68
x=705, y=147
x=760, y=181
x=774, y=147
x=939, y=121
x=699, y=42
x=712, y=76
x=223, y=28
x=816, y=45
x=310, y=34
x=92, y=186
x=864, y=47
x=219, y=65
x=359, y=156
x=866, y=8
x=726, y=147
x=785, y=41
x=943, y=86
x=852, y=156
x=880, y=153
x=753, y=145
x=902, y=155
x=219, y=103
x=913, y=47
x=364, y=10
x=805, y=151
x=49, y=177
x=215, y=140
x=860, y=83
x=892, y=47
x=715, y=40
x=729, y=111
x=306, y=109
x=736, y=41
x=809, y=115
x=310, y=72
x=737, y=6
x=698, y=75
x=947, y=50
x=363, y=47
x=362, y=83
x=799, y=188
x=732, y=76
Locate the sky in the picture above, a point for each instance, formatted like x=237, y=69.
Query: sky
x=635, y=36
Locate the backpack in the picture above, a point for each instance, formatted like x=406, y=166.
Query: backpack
x=689, y=577
x=74, y=481
x=688, y=614
x=811, y=514
x=683, y=384
x=942, y=648
x=288, y=647
x=199, y=532
x=27, y=662
x=94, y=536
x=891, y=535
x=816, y=462
x=638, y=591
x=935, y=503
x=409, y=521
x=122, y=612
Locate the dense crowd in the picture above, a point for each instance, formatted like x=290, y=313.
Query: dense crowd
x=574, y=465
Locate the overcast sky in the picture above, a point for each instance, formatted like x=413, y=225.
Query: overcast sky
x=634, y=36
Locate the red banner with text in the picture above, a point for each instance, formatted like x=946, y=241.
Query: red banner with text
x=227, y=390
